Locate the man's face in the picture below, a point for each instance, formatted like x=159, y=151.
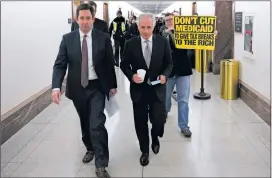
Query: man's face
x=146, y=27
x=169, y=21
x=85, y=20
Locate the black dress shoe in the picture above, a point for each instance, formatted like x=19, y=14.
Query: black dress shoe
x=144, y=160
x=155, y=148
x=88, y=157
x=155, y=145
x=102, y=173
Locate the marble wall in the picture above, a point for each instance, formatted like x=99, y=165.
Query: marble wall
x=225, y=37
x=19, y=118
x=256, y=102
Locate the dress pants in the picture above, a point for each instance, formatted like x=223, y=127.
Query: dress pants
x=149, y=104
x=90, y=108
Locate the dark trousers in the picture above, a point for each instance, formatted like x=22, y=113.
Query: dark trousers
x=119, y=47
x=149, y=105
x=90, y=108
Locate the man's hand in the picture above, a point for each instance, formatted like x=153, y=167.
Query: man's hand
x=113, y=91
x=137, y=79
x=162, y=79
x=56, y=96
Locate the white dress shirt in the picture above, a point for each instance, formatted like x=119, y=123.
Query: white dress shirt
x=144, y=43
x=92, y=74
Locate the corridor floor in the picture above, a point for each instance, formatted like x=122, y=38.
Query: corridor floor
x=228, y=139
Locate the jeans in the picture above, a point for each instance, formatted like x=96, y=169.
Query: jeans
x=183, y=91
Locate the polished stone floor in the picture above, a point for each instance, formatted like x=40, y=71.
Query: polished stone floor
x=228, y=140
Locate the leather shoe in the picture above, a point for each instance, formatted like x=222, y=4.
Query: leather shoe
x=155, y=148
x=144, y=160
x=88, y=157
x=102, y=173
x=155, y=145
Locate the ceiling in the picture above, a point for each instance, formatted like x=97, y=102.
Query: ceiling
x=155, y=7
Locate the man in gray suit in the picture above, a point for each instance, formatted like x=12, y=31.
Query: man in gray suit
x=91, y=78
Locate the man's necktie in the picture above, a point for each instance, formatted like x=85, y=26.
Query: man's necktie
x=84, y=63
x=147, y=53
x=147, y=56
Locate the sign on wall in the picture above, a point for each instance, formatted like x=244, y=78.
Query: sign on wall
x=195, y=32
x=248, y=35
x=238, y=22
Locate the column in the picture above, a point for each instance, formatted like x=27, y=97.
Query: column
x=225, y=37
x=106, y=12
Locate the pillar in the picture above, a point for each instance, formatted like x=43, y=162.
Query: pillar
x=225, y=36
x=106, y=12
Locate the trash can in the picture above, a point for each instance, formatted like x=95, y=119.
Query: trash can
x=229, y=76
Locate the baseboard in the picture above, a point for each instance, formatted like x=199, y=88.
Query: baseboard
x=256, y=101
x=16, y=118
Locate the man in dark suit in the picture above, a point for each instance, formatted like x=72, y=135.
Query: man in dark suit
x=98, y=24
x=151, y=53
x=91, y=78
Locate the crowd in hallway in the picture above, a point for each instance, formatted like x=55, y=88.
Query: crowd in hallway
x=136, y=62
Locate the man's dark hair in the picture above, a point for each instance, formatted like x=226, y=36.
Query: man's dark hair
x=134, y=17
x=168, y=14
x=92, y=3
x=84, y=7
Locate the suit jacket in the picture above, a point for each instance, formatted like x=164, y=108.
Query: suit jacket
x=99, y=25
x=161, y=64
x=70, y=56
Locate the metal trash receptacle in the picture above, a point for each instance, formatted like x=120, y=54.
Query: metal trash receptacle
x=229, y=79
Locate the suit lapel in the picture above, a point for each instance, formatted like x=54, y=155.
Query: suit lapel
x=140, y=52
x=78, y=45
x=95, y=45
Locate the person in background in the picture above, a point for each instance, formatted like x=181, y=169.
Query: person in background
x=91, y=79
x=162, y=27
x=140, y=54
x=118, y=27
x=99, y=24
x=157, y=26
x=180, y=77
x=133, y=29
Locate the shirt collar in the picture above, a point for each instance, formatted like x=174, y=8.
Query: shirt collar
x=149, y=39
x=82, y=34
